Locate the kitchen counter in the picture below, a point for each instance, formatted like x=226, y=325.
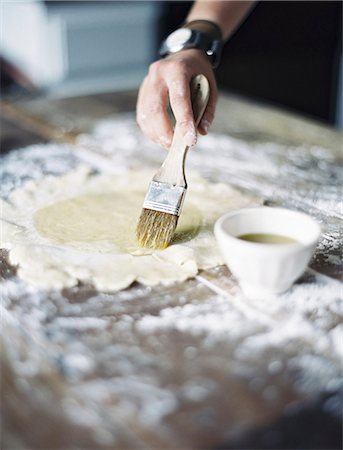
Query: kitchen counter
x=194, y=364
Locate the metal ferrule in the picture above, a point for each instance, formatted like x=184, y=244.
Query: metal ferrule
x=164, y=197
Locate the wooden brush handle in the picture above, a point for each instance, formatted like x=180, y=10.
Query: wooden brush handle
x=172, y=170
x=200, y=93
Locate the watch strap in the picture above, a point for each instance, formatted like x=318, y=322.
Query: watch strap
x=207, y=36
x=214, y=37
x=205, y=26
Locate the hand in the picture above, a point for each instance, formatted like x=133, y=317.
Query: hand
x=169, y=79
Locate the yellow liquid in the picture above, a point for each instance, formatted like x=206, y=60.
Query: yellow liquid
x=266, y=238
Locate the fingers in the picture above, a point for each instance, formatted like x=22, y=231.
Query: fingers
x=152, y=116
x=166, y=81
x=169, y=79
x=180, y=102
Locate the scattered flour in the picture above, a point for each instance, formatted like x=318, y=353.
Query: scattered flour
x=115, y=354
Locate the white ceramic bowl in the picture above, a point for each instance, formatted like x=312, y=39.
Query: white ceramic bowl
x=266, y=269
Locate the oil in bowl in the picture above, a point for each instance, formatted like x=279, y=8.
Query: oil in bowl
x=267, y=238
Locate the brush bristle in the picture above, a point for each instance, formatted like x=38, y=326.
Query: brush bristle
x=155, y=229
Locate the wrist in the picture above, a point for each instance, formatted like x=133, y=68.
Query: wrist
x=191, y=54
x=202, y=35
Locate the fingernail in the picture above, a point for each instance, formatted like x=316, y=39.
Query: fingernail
x=205, y=125
x=190, y=137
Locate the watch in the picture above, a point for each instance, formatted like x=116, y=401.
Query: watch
x=200, y=34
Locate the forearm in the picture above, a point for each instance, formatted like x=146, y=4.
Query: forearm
x=227, y=14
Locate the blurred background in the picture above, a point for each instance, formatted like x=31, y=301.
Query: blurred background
x=288, y=54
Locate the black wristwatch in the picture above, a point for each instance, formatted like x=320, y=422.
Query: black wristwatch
x=201, y=34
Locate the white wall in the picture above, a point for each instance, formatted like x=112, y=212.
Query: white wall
x=83, y=47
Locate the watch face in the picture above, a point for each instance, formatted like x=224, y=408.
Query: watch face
x=178, y=39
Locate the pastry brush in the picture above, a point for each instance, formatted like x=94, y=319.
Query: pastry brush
x=163, y=202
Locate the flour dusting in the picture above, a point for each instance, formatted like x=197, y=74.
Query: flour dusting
x=127, y=369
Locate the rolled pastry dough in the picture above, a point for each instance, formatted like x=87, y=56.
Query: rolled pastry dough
x=81, y=228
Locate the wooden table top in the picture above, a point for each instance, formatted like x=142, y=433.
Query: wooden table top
x=195, y=364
